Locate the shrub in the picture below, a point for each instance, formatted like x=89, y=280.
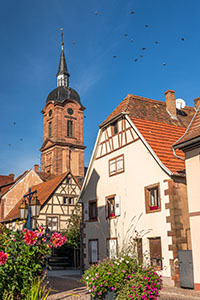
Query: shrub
x=23, y=257
x=108, y=275
x=144, y=284
x=124, y=276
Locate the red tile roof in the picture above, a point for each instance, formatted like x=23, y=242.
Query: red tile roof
x=192, y=132
x=158, y=128
x=161, y=137
x=6, y=179
x=44, y=191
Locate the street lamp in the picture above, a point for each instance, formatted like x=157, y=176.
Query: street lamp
x=32, y=209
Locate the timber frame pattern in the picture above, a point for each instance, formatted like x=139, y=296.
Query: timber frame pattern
x=55, y=206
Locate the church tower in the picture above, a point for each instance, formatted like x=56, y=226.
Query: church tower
x=62, y=147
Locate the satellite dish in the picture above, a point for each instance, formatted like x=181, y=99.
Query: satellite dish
x=180, y=103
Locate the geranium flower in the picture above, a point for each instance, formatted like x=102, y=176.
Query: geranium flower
x=40, y=231
x=57, y=240
x=30, y=237
x=3, y=258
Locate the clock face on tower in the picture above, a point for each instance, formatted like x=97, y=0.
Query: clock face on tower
x=70, y=111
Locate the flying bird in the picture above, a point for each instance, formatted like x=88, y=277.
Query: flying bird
x=156, y=42
x=74, y=42
x=182, y=39
x=135, y=59
x=141, y=55
x=144, y=49
x=164, y=63
x=14, y=123
x=131, y=12
x=114, y=56
x=146, y=25
x=125, y=34
x=96, y=13
x=131, y=41
x=21, y=139
x=9, y=145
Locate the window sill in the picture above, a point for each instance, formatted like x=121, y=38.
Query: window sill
x=153, y=207
x=92, y=220
x=111, y=217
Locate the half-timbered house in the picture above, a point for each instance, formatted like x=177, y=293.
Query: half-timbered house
x=58, y=198
x=135, y=187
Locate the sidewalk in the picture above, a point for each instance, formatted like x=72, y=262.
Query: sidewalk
x=67, y=286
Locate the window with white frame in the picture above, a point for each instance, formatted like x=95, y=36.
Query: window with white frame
x=112, y=247
x=52, y=223
x=93, y=251
x=116, y=165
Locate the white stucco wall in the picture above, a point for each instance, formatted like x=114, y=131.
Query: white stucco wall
x=141, y=170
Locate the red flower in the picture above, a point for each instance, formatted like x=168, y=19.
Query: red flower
x=30, y=237
x=57, y=240
x=40, y=231
x=3, y=258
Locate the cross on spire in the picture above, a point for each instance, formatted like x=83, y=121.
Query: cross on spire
x=62, y=75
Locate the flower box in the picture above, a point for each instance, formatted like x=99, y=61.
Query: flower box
x=153, y=207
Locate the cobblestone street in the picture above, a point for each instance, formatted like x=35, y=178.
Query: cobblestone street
x=68, y=287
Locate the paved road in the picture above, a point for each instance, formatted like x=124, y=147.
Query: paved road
x=68, y=287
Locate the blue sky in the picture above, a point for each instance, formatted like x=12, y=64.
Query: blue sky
x=93, y=33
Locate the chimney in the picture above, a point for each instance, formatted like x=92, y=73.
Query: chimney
x=12, y=176
x=197, y=102
x=36, y=168
x=170, y=103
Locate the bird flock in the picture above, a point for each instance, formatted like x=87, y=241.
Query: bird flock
x=132, y=41
x=21, y=139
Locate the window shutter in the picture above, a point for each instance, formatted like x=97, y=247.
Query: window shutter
x=93, y=251
x=86, y=212
x=112, y=247
x=117, y=206
x=106, y=208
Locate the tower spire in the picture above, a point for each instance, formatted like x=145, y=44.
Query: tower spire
x=62, y=75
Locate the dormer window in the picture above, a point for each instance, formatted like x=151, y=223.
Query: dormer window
x=114, y=128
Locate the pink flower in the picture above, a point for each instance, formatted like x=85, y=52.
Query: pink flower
x=123, y=271
x=44, y=239
x=57, y=240
x=14, y=240
x=40, y=231
x=30, y=237
x=3, y=258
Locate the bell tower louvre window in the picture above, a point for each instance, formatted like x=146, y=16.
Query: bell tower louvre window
x=69, y=128
x=50, y=129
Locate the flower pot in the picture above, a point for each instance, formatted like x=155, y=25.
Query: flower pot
x=108, y=296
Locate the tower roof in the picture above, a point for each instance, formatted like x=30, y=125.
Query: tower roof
x=62, y=93
x=62, y=69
